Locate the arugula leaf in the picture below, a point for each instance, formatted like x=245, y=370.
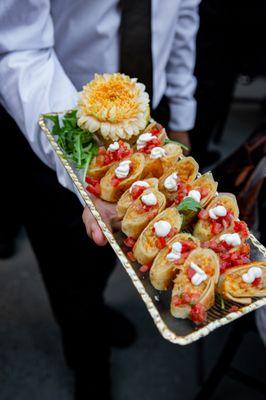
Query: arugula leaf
x=79, y=145
x=221, y=301
x=175, y=141
x=55, y=120
x=189, y=204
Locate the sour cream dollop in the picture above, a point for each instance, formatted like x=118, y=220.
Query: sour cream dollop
x=218, y=211
x=232, y=239
x=123, y=169
x=139, y=183
x=170, y=183
x=144, y=139
x=157, y=152
x=162, y=228
x=252, y=274
x=195, y=195
x=199, y=277
x=149, y=199
x=175, y=253
x=113, y=147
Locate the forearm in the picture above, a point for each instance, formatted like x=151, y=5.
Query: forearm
x=32, y=79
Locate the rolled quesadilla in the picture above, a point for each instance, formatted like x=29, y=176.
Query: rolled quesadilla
x=231, y=247
x=217, y=218
x=133, y=193
x=160, y=159
x=175, y=183
x=171, y=259
x=242, y=283
x=203, y=189
x=142, y=211
x=156, y=235
x=100, y=164
x=194, y=287
x=120, y=177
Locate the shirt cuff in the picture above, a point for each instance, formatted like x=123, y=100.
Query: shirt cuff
x=182, y=115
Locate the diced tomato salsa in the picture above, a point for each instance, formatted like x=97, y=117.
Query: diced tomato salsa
x=131, y=256
x=198, y=313
x=93, y=186
x=157, y=129
x=190, y=273
x=207, y=269
x=203, y=214
x=106, y=157
x=187, y=247
x=116, y=181
x=256, y=282
x=233, y=309
x=162, y=241
x=217, y=225
x=145, y=268
x=136, y=191
x=241, y=228
x=129, y=242
x=229, y=256
x=150, y=145
x=203, y=191
x=185, y=298
x=182, y=191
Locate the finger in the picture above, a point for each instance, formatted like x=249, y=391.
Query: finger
x=97, y=235
x=92, y=228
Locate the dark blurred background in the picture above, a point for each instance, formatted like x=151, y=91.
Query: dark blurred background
x=231, y=94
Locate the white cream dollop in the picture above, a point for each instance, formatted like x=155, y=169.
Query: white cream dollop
x=123, y=169
x=113, y=147
x=199, y=277
x=139, y=183
x=175, y=253
x=232, y=239
x=162, y=228
x=218, y=211
x=157, y=152
x=170, y=183
x=252, y=274
x=149, y=199
x=144, y=139
x=195, y=195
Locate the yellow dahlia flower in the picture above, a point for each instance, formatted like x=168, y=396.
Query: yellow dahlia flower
x=114, y=105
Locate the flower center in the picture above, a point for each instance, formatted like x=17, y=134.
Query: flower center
x=111, y=101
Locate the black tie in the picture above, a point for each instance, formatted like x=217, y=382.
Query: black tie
x=135, y=41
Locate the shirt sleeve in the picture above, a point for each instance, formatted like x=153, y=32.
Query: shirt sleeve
x=33, y=81
x=181, y=82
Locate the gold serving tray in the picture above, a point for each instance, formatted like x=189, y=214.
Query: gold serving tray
x=158, y=303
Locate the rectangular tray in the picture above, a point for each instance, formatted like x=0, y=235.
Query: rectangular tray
x=177, y=331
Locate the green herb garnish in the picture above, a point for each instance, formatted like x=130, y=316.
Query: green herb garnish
x=221, y=301
x=175, y=141
x=79, y=145
x=189, y=204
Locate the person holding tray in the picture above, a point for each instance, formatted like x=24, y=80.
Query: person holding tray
x=48, y=51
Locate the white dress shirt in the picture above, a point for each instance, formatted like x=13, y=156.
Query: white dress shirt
x=50, y=48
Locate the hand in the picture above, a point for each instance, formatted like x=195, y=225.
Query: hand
x=182, y=137
x=109, y=215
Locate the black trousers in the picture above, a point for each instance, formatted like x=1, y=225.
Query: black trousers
x=74, y=270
